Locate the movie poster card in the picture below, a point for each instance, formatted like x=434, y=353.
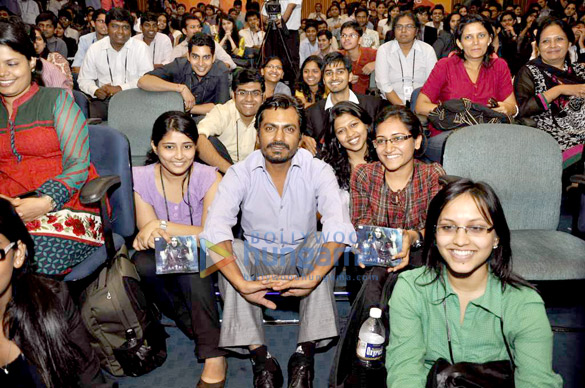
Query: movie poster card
x=177, y=256
x=377, y=245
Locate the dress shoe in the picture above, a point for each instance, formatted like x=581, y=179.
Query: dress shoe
x=268, y=374
x=300, y=371
x=203, y=384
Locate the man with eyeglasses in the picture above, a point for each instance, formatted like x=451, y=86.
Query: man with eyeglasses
x=114, y=63
x=227, y=134
x=363, y=60
x=98, y=21
x=200, y=80
x=403, y=64
x=337, y=73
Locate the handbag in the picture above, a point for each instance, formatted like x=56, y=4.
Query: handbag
x=445, y=374
x=458, y=113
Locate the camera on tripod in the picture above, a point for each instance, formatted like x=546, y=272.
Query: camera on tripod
x=273, y=9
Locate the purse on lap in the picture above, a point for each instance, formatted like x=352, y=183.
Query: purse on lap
x=458, y=113
x=445, y=374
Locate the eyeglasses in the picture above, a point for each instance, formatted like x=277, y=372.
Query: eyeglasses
x=274, y=67
x=244, y=93
x=382, y=141
x=353, y=36
x=5, y=250
x=405, y=27
x=473, y=230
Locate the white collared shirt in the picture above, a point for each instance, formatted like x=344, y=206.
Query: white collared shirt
x=252, y=38
x=431, y=24
x=104, y=65
x=294, y=21
x=352, y=98
x=389, y=73
x=161, y=48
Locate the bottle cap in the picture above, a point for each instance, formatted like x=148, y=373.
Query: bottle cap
x=375, y=312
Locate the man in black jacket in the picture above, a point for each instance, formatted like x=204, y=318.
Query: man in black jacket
x=336, y=76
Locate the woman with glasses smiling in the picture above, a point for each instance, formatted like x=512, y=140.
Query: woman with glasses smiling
x=466, y=304
x=273, y=72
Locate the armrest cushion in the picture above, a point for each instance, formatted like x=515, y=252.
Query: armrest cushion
x=94, y=190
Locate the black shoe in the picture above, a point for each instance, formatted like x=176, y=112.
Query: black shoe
x=268, y=374
x=301, y=371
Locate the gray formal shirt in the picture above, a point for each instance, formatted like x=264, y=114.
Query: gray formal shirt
x=55, y=44
x=269, y=221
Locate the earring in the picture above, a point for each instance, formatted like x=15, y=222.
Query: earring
x=495, y=246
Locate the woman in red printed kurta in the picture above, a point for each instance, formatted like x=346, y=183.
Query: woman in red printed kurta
x=44, y=151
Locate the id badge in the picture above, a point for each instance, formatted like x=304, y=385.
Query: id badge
x=407, y=92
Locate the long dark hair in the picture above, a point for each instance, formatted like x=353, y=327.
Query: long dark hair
x=302, y=85
x=235, y=32
x=171, y=121
x=33, y=38
x=334, y=153
x=491, y=209
x=470, y=19
x=34, y=317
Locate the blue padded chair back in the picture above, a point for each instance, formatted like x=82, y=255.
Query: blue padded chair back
x=523, y=165
x=82, y=101
x=110, y=152
x=413, y=98
x=133, y=113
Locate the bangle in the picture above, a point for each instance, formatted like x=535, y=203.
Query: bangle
x=51, y=201
x=163, y=225
x=517, y=111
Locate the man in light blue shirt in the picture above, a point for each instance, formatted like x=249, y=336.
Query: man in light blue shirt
x=279, y=190
x=101, y=30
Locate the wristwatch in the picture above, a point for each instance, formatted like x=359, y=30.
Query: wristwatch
x=416, y=244
x=163, y=225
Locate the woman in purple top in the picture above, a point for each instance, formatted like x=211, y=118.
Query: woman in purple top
x=172, y=195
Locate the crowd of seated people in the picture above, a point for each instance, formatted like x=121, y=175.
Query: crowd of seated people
x=345, y=145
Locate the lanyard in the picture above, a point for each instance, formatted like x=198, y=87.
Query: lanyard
x=110, y=68
x=402, y=71
x=153, y=50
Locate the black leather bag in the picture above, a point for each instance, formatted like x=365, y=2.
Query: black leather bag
x=445, y=374
x=454, y=114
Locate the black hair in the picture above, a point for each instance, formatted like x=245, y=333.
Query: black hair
x=249, y=14
x=334, y=153
x=34, y=317
x=200, y=39
x=64, y=13
x=407, y=14
x=406, y=117
x=337, y=57
x=186, y=18
x=302, y=86
x=470, y=19
x=32, y=35
x=97, y=13
x=422, y=9
x=553, y=21
x=491, y=209
x=252, y=6
x=353, y=25
x=267, y=60
x=171, y=121
x=44, y=16
x=509, y=13
x=235, y=32
x=175, y=23
x=311, y=23
x=148, y=17
x=119, y=15
x=244, y=76
x=327, y=33
x=166, y=30
x=361, y=9
x=447, y=22
x=182, y=5
x=282, y=101
x=438, y=6
x=238, y=2
x=14, y=35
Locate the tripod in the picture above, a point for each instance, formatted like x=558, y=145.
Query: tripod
x=275, y=36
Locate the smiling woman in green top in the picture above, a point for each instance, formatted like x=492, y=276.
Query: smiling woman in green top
x=468, y=286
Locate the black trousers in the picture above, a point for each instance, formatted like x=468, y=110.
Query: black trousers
x=274, y=47
x=187, y=299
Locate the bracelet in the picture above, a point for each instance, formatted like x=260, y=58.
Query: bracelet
x=517, y=111
x=51, y=201
x=163, y=225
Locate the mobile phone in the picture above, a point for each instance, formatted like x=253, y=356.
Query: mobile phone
x=493, y=103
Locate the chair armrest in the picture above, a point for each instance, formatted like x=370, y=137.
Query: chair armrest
x=446, y=179
x=94, y=190
x=578, y=179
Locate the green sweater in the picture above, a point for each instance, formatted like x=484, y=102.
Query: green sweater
x=418, y=334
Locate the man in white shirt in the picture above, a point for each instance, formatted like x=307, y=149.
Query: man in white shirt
x=291, y=15
x=253, y=35
x=309, y=45
x=318, y=14
x=370, y=38
x=29, y=10
x=190, y=25
x=160, y=45
x=403, y=64
x=101, y=31
x=114, y=63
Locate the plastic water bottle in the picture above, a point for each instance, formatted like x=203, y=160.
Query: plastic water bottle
x=370, y=346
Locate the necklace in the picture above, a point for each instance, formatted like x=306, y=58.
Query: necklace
x=188, y=202
x=5, y=367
